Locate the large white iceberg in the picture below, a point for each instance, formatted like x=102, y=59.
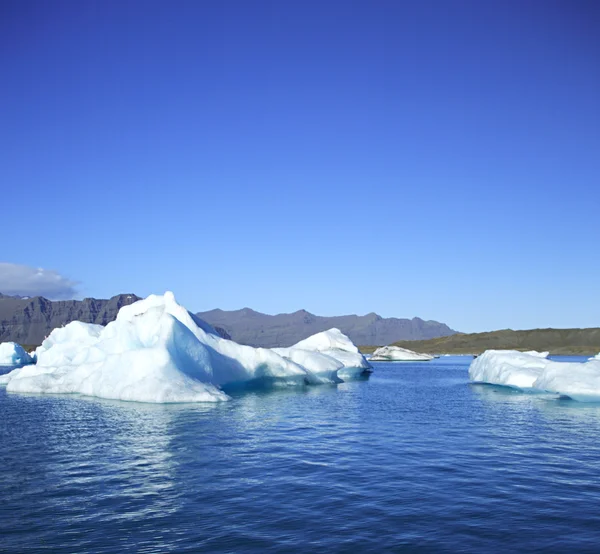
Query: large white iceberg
x=13, y=354
x=156, y=351
x=398, y=354
x=532, y=370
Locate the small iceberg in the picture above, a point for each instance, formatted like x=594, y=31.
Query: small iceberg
x=533, y=371
x=157, y=351
x=398, y=354
x=322, y=351
x=14, y=355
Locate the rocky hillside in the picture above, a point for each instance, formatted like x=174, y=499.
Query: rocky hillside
x=29, y=320
x=257, y=329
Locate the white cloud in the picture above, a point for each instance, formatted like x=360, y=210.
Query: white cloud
x=35, y=281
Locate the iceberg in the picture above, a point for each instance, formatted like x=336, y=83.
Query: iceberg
x=330, y=345
x=322, y=366
x=13, y=354
x=508, y=367
x=398, y=354
x=64, y=343
x=577, y=380
x=532, y=370
x=157, y=351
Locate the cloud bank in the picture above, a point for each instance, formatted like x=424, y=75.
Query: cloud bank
x=35, y=281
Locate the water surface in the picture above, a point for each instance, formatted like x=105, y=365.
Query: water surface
x=415, y=456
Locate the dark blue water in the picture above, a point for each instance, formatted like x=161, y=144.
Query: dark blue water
x=413, y=458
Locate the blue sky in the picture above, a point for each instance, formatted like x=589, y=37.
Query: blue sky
x=432, y=159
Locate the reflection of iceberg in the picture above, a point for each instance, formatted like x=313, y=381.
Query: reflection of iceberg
x=156, y=351
x=532, y=370
x=118, y=454
x=13, y=354
x=577, y=418
x=398, y=354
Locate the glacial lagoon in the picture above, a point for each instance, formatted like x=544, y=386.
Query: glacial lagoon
x=415, y=456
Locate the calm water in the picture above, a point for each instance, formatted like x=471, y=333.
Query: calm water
x=413, y=458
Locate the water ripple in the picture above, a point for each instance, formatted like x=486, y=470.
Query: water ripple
x=413, y=457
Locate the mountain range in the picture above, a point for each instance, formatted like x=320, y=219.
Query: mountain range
x=29, y=320
x=247, y=326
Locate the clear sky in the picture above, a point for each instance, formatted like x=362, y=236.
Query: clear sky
x=432, y=159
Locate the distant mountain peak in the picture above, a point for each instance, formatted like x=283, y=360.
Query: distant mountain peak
x=373, y=315
x=16, y=296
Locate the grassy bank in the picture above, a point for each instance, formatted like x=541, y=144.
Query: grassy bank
x=556, y=341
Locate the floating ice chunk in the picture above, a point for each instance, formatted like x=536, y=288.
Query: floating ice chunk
x=398, y=354
x=155, y=351
x=13, y=354
x=532, y=370
x=508, y=367
x=64, y=343
x=334, y=344
x=333, y=339
x=579, y=381
x=157, y=359
x=355, y=365
x=324, y=367
x=536, y=353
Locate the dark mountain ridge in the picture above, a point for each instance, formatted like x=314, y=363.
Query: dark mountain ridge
x=29, y=320
x=247, y=326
